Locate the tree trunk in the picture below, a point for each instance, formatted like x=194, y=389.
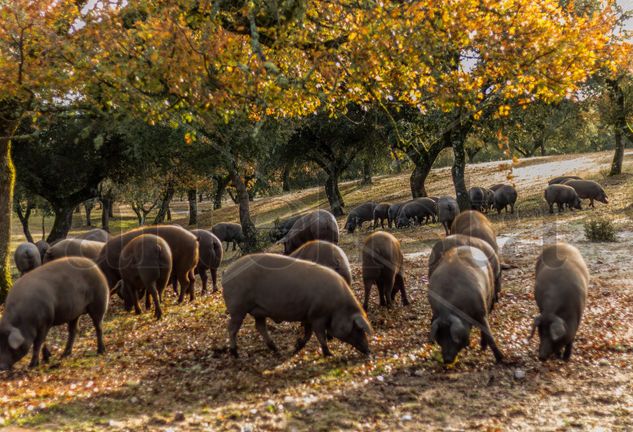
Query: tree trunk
x=220, y=187
x=248, y=227
x=200, y=197
x=333, y=194
x=397, y=161
x=459, y=169
x=139, y=215
x=7, y=183
x=111, y=209
x=62, y=223
x=367, y=172
x=617, y=96
x=88, y=206
x=193, y=206
x=285, y=178
x=106, y=206
x=164, y=204
x=423, y=159
x=24, y=219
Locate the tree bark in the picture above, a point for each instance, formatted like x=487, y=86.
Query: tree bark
x=163, y=210
x=334, y=194
x=193, y=206
x=620, y=126
x=248, y=227
x=457, y=171
x=285, y=178
x=62, y=223
x=423, y=159
x=220, y=187
x=24, y=219
x=106, y=205
x=7, y=183
x=367, y=172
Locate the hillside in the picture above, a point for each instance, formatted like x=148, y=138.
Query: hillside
x=176, y=374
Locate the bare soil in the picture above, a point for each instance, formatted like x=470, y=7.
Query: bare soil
x=176, y=374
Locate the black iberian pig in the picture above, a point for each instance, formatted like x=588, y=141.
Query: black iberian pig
x=316, y=225
x=383, y=266
x=145, y=265
x=588, y=189
x=288, y=289
x=562, y=195
x=477, y=196
x=504, y=197
x=447, y=210
x=561, y=292
x=228, y=232
x=394, y=210
x=381, y=213
x=359, y=215
x=42, y=246
x=74, y=247
x=326, y=254
x=210, y=257
x=474, y=224
x=281, y=228
x=96, y=234
x=417, y=211
x=184, y=249
x=461, y=293
x=53, y=294
x=562, y=179
x=26, y=257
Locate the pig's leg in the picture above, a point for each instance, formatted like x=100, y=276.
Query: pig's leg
x=381, y=290
x=551, y=208
x=147, y=303
x=591, y=202
x=487, y=334
x=37, y=347
x=97, y=312
x=191, y=287
x=174, y=283
x=388, y=281
x=234, y=326
x=307, y=334
x=214, y=279
x=234, y=245
x=319, y=330
x=260, y=325
x=202, y=271
x=399, y=286
x=137, y=307
x=567, y=352
x=46, y=354
x=72, y=332
x=183, y=280
x=368, y=284
x=158, y=313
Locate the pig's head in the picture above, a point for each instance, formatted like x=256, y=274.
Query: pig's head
x=552, y=331
x=402, y=221
x=452, y=335
x=602, y=197
x=13, y=346
x=351, y=223
x=577, y=203
x=352, y=330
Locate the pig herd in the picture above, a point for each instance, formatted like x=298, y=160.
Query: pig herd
x=310, y=283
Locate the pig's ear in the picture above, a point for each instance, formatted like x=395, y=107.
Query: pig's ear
x=15, y=338
x=557, y=329
x=458, y=331
x=361, y=322
x=537, y=322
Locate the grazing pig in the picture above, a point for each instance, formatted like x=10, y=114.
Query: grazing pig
x=42, y=247
x=381, y=212
x=461, y=293
x=326, y=254
x=490, y=199
x=505, y=196
x=442, y=246
x=53, y=294
x=494, y=187
x=184, y=249
x=27, y=257
x=447, y=210
x=145, y=265
x=228, y=232
x=383, y=266
x=74, y=247
x=477, y=196
x=474, y=224
x=419, y=210
x=281, y=228
x=562, y=179
x=360, y=214
x=562, y=195
x=588, y=189
x=288, y=289
x=316, y=225
x=394, y=210
x=561, y=292
x=96, y=234
x=210, y=257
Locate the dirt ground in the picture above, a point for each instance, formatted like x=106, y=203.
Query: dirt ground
x=176, y=375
